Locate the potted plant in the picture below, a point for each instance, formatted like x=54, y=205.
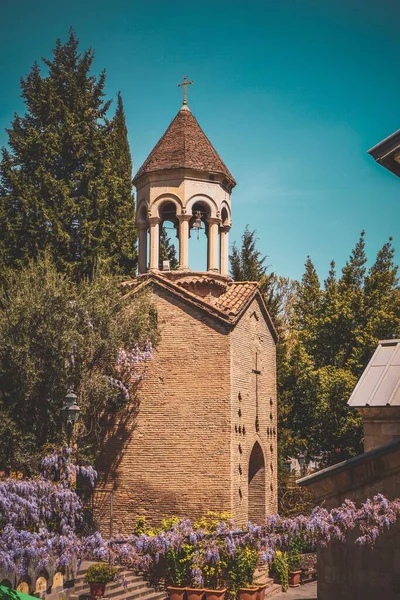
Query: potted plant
x=280, y=570
x=194, y=593
x=178, y=563
x=213, y=580
x=241, y=574
x=97, y=576
x=294, y=568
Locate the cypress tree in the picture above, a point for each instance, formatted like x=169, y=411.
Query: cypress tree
x=120, y=235
x=247, y=263
x=65, y=178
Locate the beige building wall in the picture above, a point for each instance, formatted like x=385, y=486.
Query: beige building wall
x=188, y=448
x=174, y=455
x=252, y=336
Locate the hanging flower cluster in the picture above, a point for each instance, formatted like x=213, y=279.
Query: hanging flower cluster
x=38, y=521
x=57, y=466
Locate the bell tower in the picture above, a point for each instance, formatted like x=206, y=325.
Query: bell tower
x=184, y=181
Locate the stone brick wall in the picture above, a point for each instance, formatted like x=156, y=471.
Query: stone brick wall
x=381, y=425
x=252, y=337
x=347, y=571
x=175, y=459
x=179, y=454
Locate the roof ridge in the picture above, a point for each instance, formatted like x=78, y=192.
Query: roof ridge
x=243, y=282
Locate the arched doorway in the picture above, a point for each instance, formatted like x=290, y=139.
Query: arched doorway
x=256, y=485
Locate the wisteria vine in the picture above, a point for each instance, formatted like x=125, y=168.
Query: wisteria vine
x=38, y=520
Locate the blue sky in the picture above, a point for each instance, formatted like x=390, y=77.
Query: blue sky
x=292, y=93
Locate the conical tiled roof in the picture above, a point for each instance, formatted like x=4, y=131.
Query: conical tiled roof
x=184, y=145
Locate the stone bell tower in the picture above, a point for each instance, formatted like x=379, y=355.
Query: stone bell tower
x=204, y=435
x=183, y=180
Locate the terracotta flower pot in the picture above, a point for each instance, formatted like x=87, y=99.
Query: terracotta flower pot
x=176, y=593
x=215, y=594
x=250, y=593
x=194, y=593
x=97, y=590
x=294, y=578
x=261, y=592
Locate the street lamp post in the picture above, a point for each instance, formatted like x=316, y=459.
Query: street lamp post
x=70, y=413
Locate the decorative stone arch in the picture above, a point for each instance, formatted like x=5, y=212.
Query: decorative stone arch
x=204, y=200
x=142, y=213
x=41, y=584
x=160, y=201
x=23, y=587
x=58, y=581
x=257, y=484
x=226, y=215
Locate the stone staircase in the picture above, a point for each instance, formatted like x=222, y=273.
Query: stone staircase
x=133, y=587
x=262, y=577
x=128, y=587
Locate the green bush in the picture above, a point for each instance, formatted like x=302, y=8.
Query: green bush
x=241, y=568
x=101, y=573
x=280, y=569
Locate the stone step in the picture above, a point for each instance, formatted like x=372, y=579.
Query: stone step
x=273, y=590
x=123, y=595
x=131, y=580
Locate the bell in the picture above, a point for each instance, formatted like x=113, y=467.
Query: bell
x=197, y=223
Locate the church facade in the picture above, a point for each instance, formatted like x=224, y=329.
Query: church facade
x=204, y=436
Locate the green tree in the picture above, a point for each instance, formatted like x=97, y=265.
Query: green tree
x=55, y=334
x=65, y=177
x=167, y=250
x=120, y=235
x=248, y=264
x=334, y=332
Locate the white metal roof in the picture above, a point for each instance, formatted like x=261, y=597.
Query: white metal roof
x=379, y=385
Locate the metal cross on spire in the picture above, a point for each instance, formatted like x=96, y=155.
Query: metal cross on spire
x=185, y=83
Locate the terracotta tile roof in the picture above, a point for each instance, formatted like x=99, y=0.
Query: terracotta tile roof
x=228, y=307
x=184, y=145
x=236, y=297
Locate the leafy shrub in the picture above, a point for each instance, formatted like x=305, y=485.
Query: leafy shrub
x=101, y=573
x=280, y=569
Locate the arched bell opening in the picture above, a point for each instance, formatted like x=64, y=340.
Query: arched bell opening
x=169, y=236
x=199, y=236
x=257, y=487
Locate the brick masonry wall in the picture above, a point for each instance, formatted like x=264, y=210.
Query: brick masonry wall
x=252, y=336
x=176, y=456
x=179, y=455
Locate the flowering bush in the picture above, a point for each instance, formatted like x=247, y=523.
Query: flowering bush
x=58, y=466
x=38, y=521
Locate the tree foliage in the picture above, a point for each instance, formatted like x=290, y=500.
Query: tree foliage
x=334, y=332
x=328, y=332
x=56, y=334
x=248, y=264
x=65, y=179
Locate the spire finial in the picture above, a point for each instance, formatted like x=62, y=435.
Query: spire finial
x=185, y=83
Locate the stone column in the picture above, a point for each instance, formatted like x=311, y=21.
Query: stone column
x=154, y=243
x=212, y=259
x=224, y=250
x=184, y=241
x=142, y=247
